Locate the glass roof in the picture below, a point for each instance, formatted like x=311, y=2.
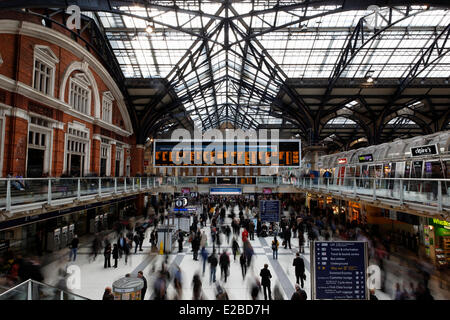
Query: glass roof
x=227, y=63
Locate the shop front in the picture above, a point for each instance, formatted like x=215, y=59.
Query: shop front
x=437, y=241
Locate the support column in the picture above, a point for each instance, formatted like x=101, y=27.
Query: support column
x=113, y=159
x=18, y=140
x=95, y=155
x=137, y=160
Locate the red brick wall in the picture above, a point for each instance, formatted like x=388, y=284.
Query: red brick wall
x=17, y=52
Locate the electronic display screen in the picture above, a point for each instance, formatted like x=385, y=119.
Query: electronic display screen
x=237, y=154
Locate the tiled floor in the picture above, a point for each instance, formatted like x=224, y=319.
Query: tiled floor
x=94, y=278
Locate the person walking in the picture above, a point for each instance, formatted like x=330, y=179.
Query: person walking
x=228, y=233
x=212, y=260
x=299, y=294
x=235, y=247
x=195, y=246
x=243, y=262
x=204, y=255
x=126, y=249
x=144, y=288
x=74, y=248
x=107, y=295
x=136, y=240
x=301, y=241
x=287, y=238
x=299, y=265
x=251, y=230
x=224, y=265
x=121, y=242
x=275, y=245
x=141, y=234
x=265, y=281
x=115, y=254
x=180, y=240
x=196, y=288
x=96, y=244
x=107, y=254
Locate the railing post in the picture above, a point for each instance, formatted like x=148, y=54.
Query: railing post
x=115, y=185
x=30, y=289
x=401, y=195
x=154, y=182
x=132, y=184
x=100, y=187
x=354, y=186
x=310, y=184
x=78, y=188
x=148, y=183
x=328, y=183
x=49, y=192
x=125, y=184
x=439, y=195
x=374, y=196
x=8, y=195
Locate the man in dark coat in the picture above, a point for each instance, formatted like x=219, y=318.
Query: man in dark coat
x=299, y=294
x=224, y=265
x=144, y=289
x=287, y=238
x=265, y=281
x=299, y=265
x=180, y=240
x=195, y=246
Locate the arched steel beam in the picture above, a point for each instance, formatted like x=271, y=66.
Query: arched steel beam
x=355, y=43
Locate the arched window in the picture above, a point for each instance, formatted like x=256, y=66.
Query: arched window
x=44, y=63
x=80, y=93
x=107, y=106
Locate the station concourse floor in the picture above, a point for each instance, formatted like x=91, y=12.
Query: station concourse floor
x=94, y=277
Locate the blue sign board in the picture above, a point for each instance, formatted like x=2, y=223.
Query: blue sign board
x=225, y=191
x=269, y=210
x=339, y=270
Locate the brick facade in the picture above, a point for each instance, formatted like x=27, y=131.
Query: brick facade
x=18, y=106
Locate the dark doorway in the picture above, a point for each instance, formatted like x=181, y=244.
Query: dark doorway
x=35, y=165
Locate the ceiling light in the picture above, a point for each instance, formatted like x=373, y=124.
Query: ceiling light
x=369, y=76
x=149, y=29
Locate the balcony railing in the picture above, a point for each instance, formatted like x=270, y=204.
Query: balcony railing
x=432, y=193
x=22, y=194
x=35, y=290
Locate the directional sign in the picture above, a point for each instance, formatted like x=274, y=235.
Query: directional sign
x=269, y=210
x=339, y=270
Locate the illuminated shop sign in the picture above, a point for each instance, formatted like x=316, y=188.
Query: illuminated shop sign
x=342, y=161
x=440, y=222
x=365, y=158
x=424, y=150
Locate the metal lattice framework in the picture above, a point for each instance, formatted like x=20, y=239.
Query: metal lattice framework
x=298, y=65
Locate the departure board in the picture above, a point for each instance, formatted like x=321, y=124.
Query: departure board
x=339, y=270
x=269, y=210
x=247, y=154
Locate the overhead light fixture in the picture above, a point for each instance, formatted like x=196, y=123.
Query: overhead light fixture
x=369, y=76
x=150, y=29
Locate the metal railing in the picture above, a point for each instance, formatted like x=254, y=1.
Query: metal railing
x=433, y=193
x=35, y=290
x=20, y=194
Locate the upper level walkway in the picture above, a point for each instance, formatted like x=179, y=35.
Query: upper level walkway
x=428, y=197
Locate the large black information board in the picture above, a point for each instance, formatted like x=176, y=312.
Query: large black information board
x=339, y=270
x=269, y=210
